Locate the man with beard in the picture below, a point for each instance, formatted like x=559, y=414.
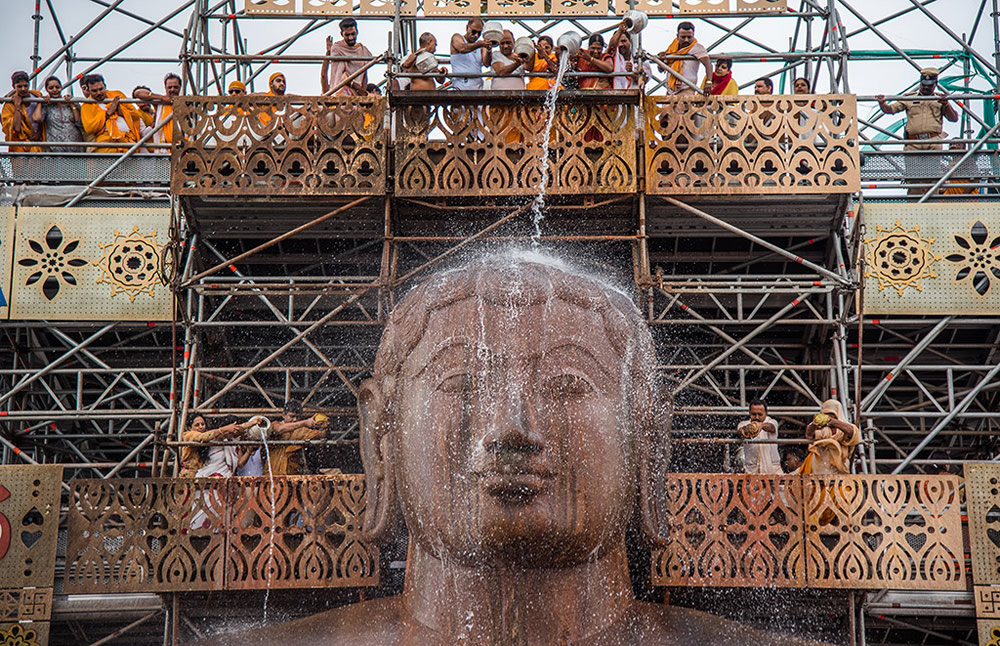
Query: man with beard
x=334, y=73
x=164, y=106
x=110, y=122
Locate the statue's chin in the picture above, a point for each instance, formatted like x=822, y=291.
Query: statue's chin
x=521, y=545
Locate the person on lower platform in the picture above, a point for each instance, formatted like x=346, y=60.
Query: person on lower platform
x=287, y=459
x=833, y=440
x=792, y=462
x=759, y=458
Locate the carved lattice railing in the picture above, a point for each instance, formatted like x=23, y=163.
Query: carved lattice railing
x=491, y=143
x=163, y=534
x=289, y=145
x=858, y=531
x=805, y=144
x=853, y=531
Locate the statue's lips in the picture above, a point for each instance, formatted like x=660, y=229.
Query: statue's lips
x=515, y=483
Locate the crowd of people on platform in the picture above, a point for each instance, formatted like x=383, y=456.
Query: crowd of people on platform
x=111, y=122
x=212, y=453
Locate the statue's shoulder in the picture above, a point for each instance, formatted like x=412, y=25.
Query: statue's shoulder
x=360, y=624
x=678, y=626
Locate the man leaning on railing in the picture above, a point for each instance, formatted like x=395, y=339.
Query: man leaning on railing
x=17, y=126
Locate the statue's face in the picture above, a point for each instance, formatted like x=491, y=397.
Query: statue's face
x=512, y=439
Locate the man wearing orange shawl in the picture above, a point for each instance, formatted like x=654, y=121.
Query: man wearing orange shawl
x=721, y=82
x=165, y=107
x=16, y=124
x=686, y=45
x=276, y=87
x=109, y=122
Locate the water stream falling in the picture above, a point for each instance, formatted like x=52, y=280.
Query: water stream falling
x=270, y=547
x=550, y=106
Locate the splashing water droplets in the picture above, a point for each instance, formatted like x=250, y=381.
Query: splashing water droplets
x=543, y=180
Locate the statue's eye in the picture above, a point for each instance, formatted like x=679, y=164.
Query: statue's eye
x=460, y=383
x=568, y=386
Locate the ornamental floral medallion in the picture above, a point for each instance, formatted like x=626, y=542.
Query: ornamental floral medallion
x=131, y=264
x=978, y=258
x=900, y=258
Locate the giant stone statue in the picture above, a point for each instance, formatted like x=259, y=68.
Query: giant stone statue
x=513, y=423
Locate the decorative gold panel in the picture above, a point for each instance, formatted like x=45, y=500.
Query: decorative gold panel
x=29, y=525
x=732, y=531
x=27, y=634
x=771, y=6
x=884, y=532
x=860, y=532
x=982, y=490
x=327, y=7
x=987, y=601
x=317, y=534
x=704, y=6
x=90, y=264
x=989, y=632
x=580, y=7
x=288, y=145
x=515, y=7
x=451, y=7
x=163, y=534
x=651, y=7
x=932, y=258
x=496, y=149
x=388, y=8
x=750, y=145
x=28, y=604
x=6, y=257
x=269, y=6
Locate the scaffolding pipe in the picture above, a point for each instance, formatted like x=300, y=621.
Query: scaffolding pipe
x=876, y=393
x=83, y=32
x=742, y=342
x=47, y=369
x=958, y=410
x=118, y=162
x=764, y=243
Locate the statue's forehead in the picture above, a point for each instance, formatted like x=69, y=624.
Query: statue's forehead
x=515, y=331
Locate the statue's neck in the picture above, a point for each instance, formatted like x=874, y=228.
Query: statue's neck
x=514, y=606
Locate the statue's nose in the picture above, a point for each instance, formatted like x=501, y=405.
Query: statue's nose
x=513, y=423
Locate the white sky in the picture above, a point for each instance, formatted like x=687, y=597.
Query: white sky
x=913, y=31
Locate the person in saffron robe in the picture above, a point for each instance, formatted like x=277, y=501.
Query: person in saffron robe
x=109, y=121
x=17, y=126
x=165, y=107
x=544, y=63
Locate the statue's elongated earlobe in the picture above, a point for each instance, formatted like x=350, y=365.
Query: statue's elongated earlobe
x=653, y=465
x=381, y=510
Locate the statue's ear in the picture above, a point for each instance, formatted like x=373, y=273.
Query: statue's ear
x=381, y=510
x=653, y=466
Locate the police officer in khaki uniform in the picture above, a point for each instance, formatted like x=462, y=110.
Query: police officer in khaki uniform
x=923, y=118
